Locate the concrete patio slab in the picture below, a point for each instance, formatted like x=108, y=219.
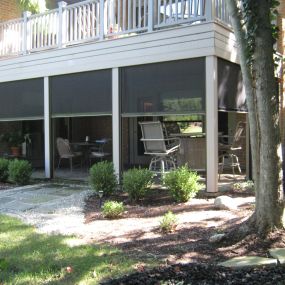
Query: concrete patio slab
x=16, y=207
x=41, y=198
x=244, y=261
x=38, y=199
x=6, y=200
x=278, y=253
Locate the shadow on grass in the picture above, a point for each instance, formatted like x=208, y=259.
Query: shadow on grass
x=27, y=257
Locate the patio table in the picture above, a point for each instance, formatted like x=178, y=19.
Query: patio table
x=85, y=148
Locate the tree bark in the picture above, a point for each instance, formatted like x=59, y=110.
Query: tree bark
x=269, y=203
x=262, y=102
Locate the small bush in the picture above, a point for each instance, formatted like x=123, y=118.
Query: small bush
x=113, y=209
x=136, y=181
x=4, y=165
x=20, y=171
x=168, y=222
x=182, y=183
x=103, y=177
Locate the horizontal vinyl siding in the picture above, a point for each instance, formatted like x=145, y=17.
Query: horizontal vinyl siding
x=172, y=44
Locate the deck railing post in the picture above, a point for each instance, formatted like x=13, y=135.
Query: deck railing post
x=150, y=15
x=210, y=10
x=26, y=32
x=61, y=24
x=101, y=17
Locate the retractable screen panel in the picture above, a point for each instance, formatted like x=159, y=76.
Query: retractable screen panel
x=175, y=87
x=231, y=91
x=22, y=99
x=82, y=93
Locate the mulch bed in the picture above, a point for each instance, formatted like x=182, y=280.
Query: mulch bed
x=203, y=274
x=6, y=186
x=191, y=240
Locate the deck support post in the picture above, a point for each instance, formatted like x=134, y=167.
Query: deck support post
x=47, y=130
x=212, y=123
x=116, y=122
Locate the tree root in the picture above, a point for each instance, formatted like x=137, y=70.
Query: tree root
x=240, y=231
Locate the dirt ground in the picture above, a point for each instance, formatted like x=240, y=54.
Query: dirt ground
x=138, y=234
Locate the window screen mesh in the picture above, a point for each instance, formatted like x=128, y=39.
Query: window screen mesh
x=82, y=93
x=230, y=87
x=22, y=99
x=170, y=87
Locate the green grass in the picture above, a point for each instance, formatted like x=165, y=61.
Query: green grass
x=27, y=257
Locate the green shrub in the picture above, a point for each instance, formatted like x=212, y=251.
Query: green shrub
x=20, y=171
x=136, y=181
x=113, y=209
x=168, y=222
x=103, y=177
x=182, y=183
x=4, y=174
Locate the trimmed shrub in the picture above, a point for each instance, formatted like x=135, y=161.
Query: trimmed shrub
x=4, y=174
x=20, y=171
x=168, y=222
x=136, y=181
x=182, y=183
x=103, y=177
x=113, y=209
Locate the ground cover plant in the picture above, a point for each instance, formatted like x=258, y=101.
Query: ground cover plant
x=27, y=257
x=168, y=222
x=113, y=209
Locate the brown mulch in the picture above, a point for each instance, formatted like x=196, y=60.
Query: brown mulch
x=6, y=186
x=190, y=241
x=186, y=255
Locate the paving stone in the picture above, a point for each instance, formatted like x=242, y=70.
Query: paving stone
x=65, y=192
x=38, y=199
x=243, y=261
x=17, y=206
x=5, y=200
x=278, y=253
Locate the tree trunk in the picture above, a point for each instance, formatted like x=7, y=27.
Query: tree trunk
x=262, y=101
x=269, y=202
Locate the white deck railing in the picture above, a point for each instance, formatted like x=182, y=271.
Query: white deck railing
x=100, y=19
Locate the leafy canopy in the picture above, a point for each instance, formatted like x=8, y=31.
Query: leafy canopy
x=33, y=6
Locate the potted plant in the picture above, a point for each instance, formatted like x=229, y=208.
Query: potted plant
x=14, y=141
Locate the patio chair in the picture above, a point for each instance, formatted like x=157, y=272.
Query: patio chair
x=65, y=152
x=162, y=150
x=228, y=152
x=98, y=152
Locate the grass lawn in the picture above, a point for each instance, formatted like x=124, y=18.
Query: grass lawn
x=27, y=257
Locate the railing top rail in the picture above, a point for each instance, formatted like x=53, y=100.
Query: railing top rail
x=44, y=13
x=82, y=3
